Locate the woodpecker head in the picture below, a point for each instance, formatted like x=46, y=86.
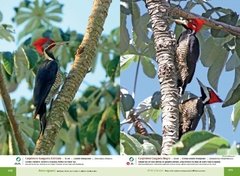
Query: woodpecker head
x=43, y=43
x=195, y=24
x=208, y=95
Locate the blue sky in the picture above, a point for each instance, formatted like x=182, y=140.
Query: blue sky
x=147, y=86
x=75, y=17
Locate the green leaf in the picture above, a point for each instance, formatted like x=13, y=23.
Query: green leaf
x=54, y=18
x=6, y=32
x=204, y=120
x=127, y=102
x=209, y=146
x=149, y=148
x=209, y=12
x=125, y=38
x=31, y=57
x=148, y=67
x=1, y=16
x=199, y=143
x=189, y=6
x=141, y=30
x=211, y=117
x=135, y=12
x=35, y=15
x=238, y=46
x=146, y=111
x=152, y=113
x=112, y=125
x=233, y=62
x=8, y=62
x=213, y=56
x=63, y=135
x=178, y=30
x=20, y=64
x=228, y=151
x=126, y=7
x=156, y=100
x=89, y=129
x=113, y=67
x=152, y=138
x=126, y=60
x=130, y=145
x=56, y=34
x=22, y=17
x=235, y=117
x=29, y=143
x=63, y=52
x=233, y=95
x=230, y=19
x=71, y=148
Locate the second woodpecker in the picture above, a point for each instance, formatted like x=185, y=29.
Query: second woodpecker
x=47, y=82
x=191, y=110
x=187, y=51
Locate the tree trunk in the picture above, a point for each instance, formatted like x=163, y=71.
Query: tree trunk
x=11, y=117
x=165, y=56
x=82, y=63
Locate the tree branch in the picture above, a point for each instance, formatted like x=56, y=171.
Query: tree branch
x=11, y=118
x=165, y=55
x=83, y=60
x=234, y=30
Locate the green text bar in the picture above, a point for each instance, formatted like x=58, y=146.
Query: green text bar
x=8, y=171
x=232, y=171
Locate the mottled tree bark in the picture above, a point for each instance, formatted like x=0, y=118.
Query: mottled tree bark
x=167, y=74
x=82, y=63
x=11, y=117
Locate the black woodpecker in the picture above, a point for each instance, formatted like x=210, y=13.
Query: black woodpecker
x=187, y=52
x=47, y=82
x=191, y=110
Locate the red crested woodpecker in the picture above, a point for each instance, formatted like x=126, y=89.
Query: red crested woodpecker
x=191, y=110
x=187, y=52
x=47, y=82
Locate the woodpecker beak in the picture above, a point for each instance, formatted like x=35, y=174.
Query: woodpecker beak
x=181, y=22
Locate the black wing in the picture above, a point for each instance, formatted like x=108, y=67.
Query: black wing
x=45, y=78
x=193, y=55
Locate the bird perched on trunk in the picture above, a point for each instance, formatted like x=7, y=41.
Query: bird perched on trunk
x=191, y=110
x=187, y=51
x=47, y=82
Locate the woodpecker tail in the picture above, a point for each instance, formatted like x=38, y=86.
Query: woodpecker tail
x=40, y=114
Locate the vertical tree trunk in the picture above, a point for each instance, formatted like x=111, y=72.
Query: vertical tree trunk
x=167, y=75
x=82, y=63
x=11, y=117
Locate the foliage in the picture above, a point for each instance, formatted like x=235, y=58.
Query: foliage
x=92, y=123
x=138, y=144
x=199, y=143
